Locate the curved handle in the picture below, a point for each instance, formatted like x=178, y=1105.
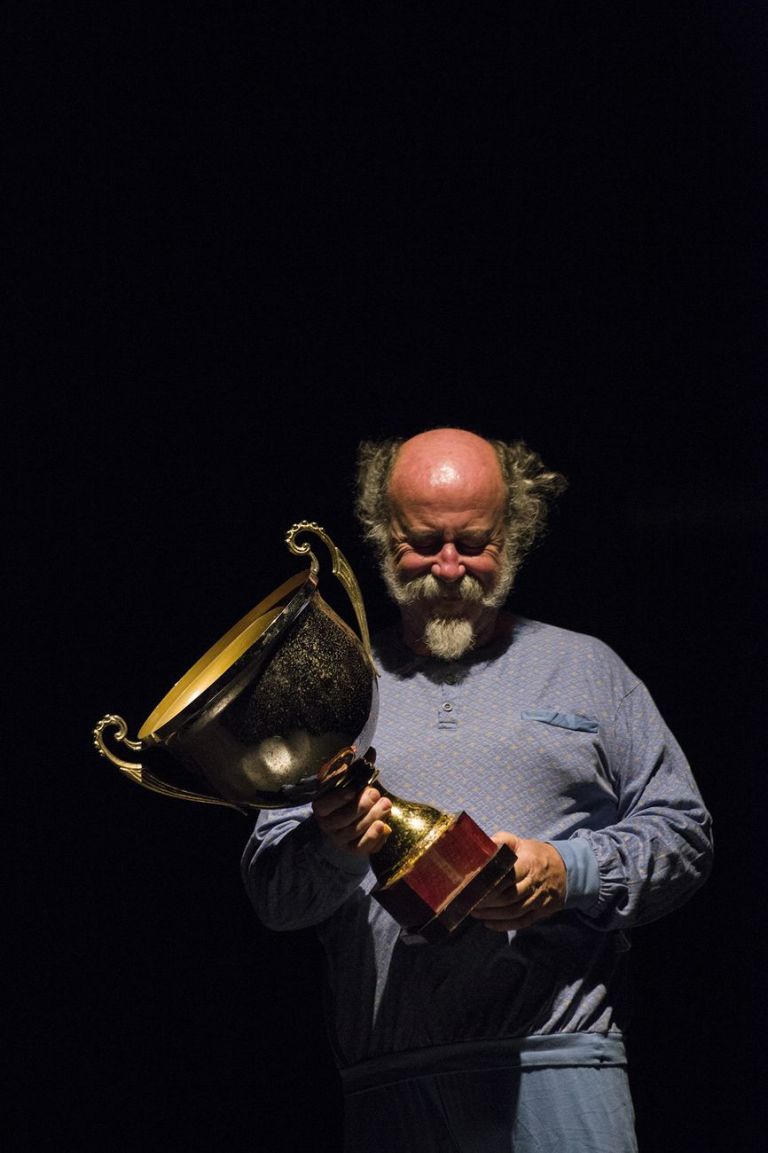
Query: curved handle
x=132, y=768
x=341, y=569
x=138, y=773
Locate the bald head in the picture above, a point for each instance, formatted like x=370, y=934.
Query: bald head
x=449, y=464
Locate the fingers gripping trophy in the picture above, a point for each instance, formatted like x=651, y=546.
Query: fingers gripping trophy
x=282, y=709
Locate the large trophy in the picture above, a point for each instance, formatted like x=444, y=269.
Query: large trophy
x=284, y=708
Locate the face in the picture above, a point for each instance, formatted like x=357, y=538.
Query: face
x=447, y=568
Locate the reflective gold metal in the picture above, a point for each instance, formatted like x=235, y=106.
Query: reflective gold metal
x=340, y=568
x=137, y=772
x=414, y=827
x=282, y=708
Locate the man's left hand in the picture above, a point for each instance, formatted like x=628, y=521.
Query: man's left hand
x=533, y=890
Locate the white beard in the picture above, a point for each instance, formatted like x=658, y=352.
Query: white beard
x=449, y=638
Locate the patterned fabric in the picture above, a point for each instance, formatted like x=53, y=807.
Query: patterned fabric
x=545, y=734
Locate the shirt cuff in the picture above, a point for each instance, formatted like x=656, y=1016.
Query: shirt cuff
x=582, y=874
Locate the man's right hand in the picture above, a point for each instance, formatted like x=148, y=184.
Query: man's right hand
x=355, y=822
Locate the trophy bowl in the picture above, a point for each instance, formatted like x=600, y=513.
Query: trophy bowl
x=284, y=707
x=275, y=711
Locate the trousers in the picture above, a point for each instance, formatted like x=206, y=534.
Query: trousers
x=561, y=1109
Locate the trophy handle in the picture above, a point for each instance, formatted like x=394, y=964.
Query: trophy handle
x=341, y=569
x=137, y=772
x=130, y=768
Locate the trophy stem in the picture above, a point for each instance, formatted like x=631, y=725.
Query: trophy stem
x=434, y=868
x=415, y=827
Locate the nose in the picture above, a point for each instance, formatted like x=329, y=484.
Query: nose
x=448, y=566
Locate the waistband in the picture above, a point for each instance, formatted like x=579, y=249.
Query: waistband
x=595, y=1049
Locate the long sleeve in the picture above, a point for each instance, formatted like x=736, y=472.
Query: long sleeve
x=294, y=876
x=551, y=737
x=659, y=850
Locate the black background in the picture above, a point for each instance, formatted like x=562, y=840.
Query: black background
x=242, y=238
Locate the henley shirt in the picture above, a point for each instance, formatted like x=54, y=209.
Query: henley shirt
x=544, y=733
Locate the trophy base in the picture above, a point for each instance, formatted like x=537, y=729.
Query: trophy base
x=435, y=893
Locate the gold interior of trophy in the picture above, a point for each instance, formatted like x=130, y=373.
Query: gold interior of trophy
x=220, y=657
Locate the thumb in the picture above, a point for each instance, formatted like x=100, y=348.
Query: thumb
x=509, y=839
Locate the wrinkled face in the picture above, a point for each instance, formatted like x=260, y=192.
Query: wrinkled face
x=447, y=568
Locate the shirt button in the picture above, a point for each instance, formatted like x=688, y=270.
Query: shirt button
x=447, y=707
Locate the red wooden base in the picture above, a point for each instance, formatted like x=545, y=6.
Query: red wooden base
x=446, y=882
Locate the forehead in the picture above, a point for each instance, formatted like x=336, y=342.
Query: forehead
x=448, y=492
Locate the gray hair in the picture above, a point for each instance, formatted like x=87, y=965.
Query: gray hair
x=531, y=488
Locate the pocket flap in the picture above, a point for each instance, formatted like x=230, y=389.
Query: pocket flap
x=574, y=721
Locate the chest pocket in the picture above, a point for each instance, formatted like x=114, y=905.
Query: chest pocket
x=574, y=721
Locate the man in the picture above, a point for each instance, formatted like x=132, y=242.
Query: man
x=507, y=1035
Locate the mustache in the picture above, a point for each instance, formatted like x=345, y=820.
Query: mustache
x=429, y=588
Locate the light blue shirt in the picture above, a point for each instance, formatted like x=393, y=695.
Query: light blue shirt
x=544, y=733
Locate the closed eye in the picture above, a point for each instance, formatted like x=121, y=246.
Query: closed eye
x=430, y=546
x=470, y=548
x=427, y=547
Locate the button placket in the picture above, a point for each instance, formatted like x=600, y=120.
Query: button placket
x=448, y=708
